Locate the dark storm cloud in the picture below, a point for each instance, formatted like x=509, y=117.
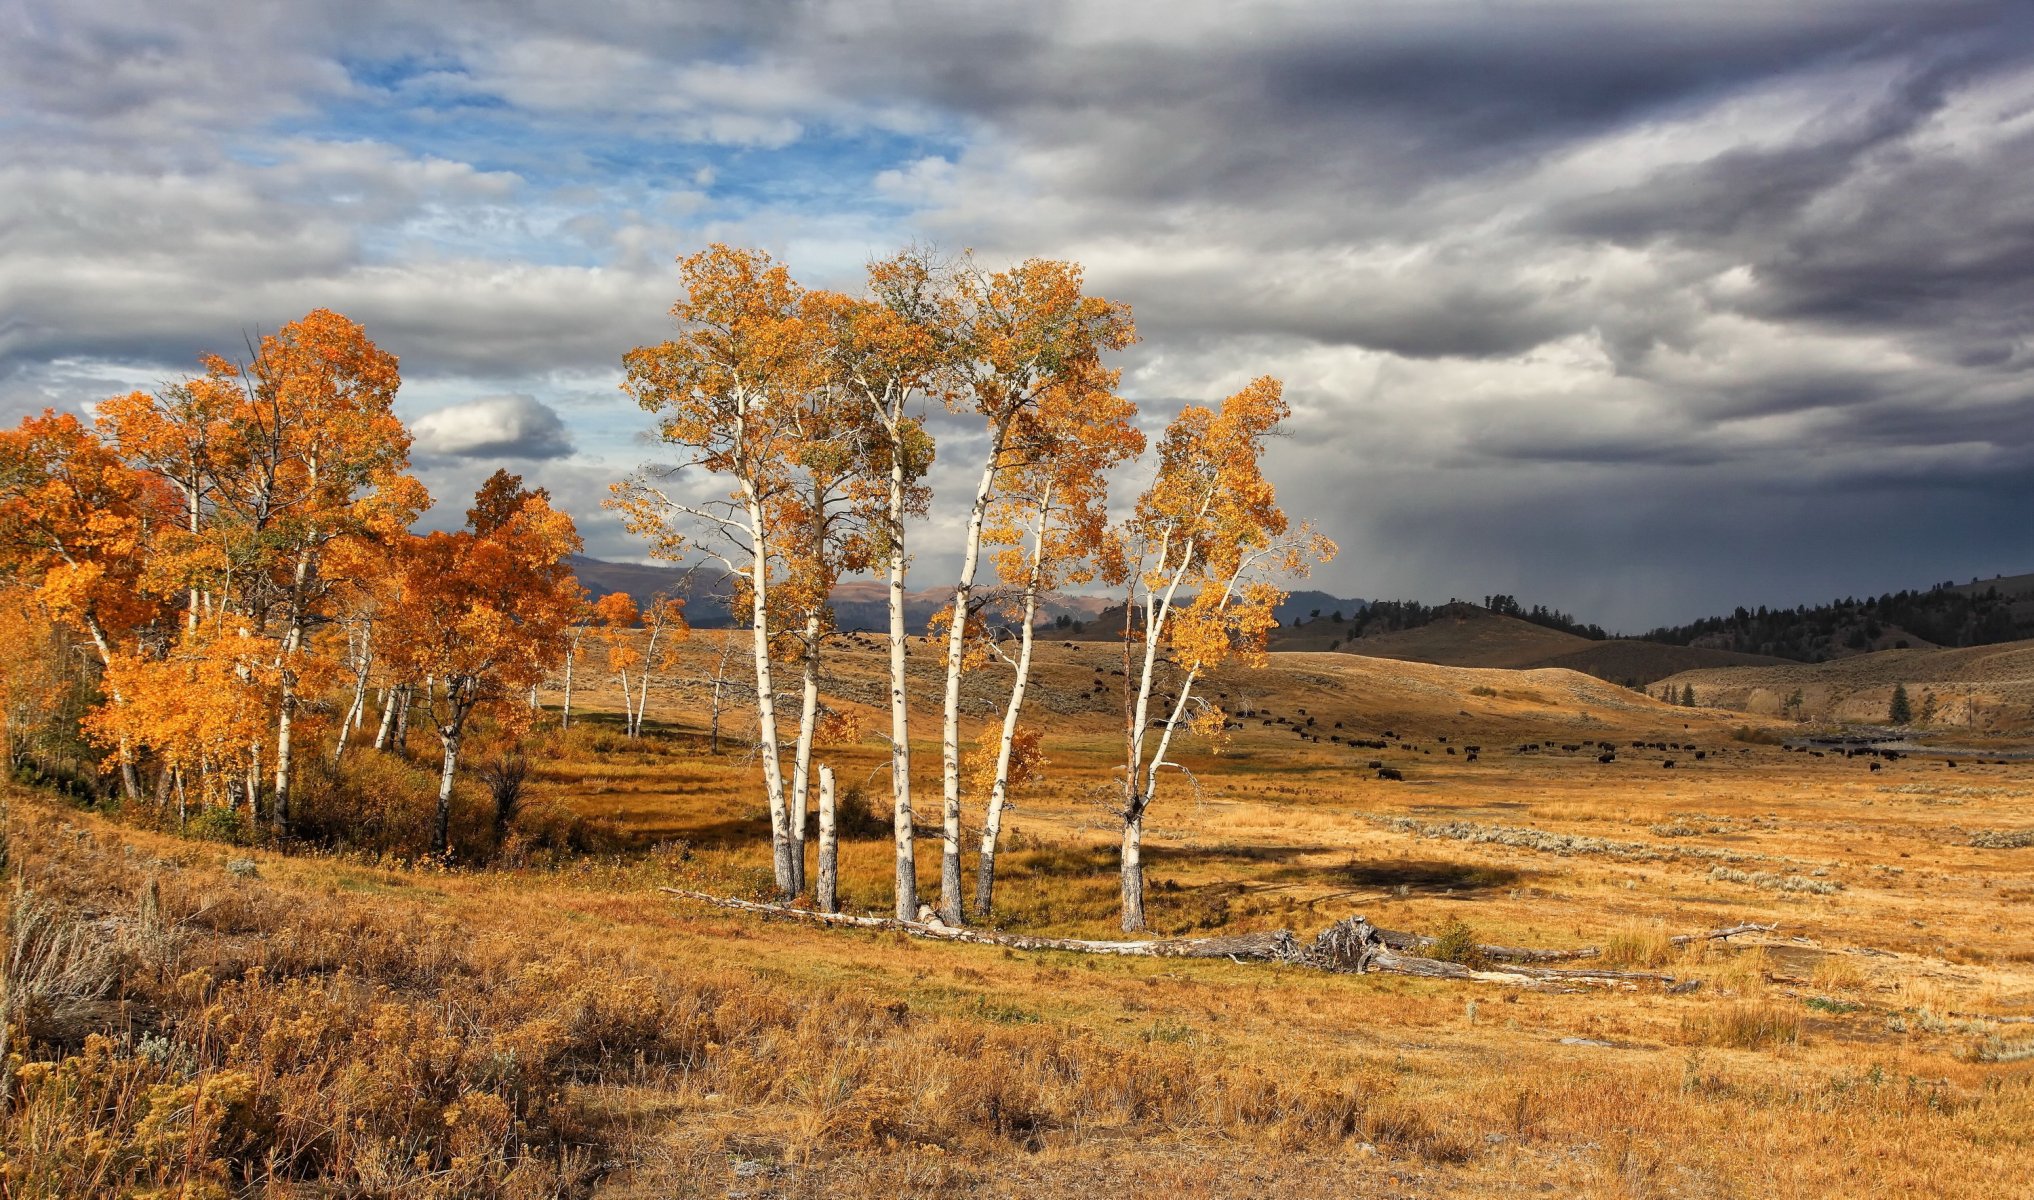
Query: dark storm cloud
x=1685, y=303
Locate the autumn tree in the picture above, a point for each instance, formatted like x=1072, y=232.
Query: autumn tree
x=1050, y=522
x=277, y=461
x=615, y=616
x=320, y=457
x=74, y=523
x=722, y=392
x=199, y=707
x=33, y=673
x=884, y=348
x=484, y=611
x=663, y=621
x=1207, y=548
x=575, y=649
x=1015, y=338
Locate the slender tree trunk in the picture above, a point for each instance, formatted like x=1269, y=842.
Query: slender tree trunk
x=388, y=712
x=441, y=827
x=402, y=729
x=571, y=654
x=900, y=708
x=279, y=811
x=949, y=741
x=292, y=647
x=826, y=892
x=643, y=685
x=766, y=697
x=253, y=783
x=713, y=733
x=130, y=778
x=999, y=793
x=801, y=760
x=353, y=714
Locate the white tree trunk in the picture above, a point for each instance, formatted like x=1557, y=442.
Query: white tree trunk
x=766, y=696
x=801, y=760
x=363, y=664
x=949, y=741
x=826, y=891
x=571, y=656
x=999, y=792
x=900, y=709
x=441, y=829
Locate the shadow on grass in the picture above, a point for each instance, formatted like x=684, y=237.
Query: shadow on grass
x=1422, y=875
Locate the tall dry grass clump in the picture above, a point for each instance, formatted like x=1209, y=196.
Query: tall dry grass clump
x=1745, y=1025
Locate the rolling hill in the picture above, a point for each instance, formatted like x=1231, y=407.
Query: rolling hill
x=1469, y=636
x=1983, y=689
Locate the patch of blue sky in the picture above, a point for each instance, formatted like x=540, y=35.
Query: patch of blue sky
x=420, y=106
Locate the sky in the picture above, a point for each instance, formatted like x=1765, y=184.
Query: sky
x=1640, y=310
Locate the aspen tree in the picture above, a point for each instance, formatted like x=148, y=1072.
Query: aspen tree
x=721, y=392
x=1051, y=521
x=1206, y=547
x=1016, y=337
x=884, y=349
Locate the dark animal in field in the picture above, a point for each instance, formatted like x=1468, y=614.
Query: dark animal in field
x=1701, y=754
x=1607, y=758
x=1877, y=766
x=1375, y=764
x=1471, y=756
x=1390, y=773
x=1668, y=765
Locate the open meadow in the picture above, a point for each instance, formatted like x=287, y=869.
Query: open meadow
x=558, y=1025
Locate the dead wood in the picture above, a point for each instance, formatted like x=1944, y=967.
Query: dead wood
x=1354, y=946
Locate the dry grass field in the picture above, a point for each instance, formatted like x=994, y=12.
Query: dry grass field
x=562, y=1027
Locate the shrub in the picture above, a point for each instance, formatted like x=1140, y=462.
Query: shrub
x=228, y=825
x=1455, y=943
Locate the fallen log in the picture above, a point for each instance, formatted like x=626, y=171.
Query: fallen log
x=1276, y=945
x=1354, y=946
x=1519, y=954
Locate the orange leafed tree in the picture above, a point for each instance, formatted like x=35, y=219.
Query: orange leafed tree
x=1013, y=339
x=276, y=463
x=74, y=521
x=483, y=612
x=884, y=349
x=723, y=391
x=33, y=672
x=1207, y=547
x=1050, y=521
x=199, y=708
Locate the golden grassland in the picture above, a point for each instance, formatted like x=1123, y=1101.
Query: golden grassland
x=335, y=1025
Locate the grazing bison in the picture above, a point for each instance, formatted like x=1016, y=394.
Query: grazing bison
x=1390, y=773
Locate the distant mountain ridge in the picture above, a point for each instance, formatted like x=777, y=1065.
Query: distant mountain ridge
x=856, y=606
x=1948, y=615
